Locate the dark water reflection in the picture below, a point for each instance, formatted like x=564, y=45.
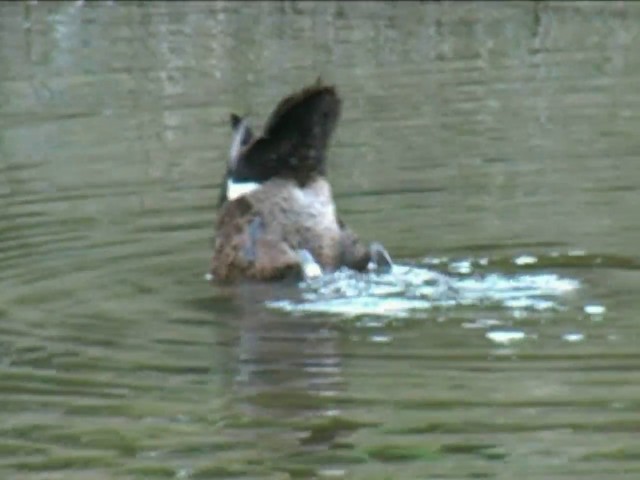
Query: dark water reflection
x=494, y=144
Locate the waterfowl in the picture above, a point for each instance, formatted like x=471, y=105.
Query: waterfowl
x=277, y=217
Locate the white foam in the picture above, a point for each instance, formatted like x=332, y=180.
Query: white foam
x=411, y=291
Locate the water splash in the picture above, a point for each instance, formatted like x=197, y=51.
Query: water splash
x=412, y=290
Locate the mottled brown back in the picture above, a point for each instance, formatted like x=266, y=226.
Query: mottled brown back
x=258, y=234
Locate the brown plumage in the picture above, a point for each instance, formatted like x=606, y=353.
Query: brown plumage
x=259, y=234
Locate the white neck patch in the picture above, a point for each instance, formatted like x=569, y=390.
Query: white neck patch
x=237, y=189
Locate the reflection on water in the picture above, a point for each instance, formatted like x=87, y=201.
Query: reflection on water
x=287, y=377
x=491, y=148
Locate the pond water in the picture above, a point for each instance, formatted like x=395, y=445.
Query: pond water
x=492, y=148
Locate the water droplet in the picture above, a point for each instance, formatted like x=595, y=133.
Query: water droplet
x=505, y=336
x=331, y=413
x=573, y=337
x=594, y=309
x=525, y=260
x=482, y=323
x=380, y=338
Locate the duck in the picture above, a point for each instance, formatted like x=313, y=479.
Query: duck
x=277, y=217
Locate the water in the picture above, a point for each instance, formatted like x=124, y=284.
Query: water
x=491, y=148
